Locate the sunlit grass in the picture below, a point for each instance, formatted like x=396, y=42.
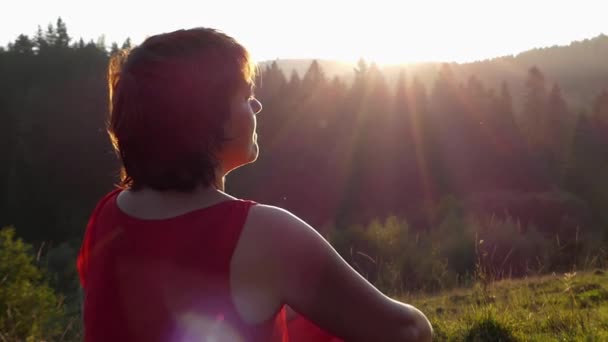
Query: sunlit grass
x=559, y=307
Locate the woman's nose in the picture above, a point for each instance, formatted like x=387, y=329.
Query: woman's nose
x=256, y=106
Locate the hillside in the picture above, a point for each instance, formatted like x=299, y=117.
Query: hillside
x=580, y=69
x=564, y=307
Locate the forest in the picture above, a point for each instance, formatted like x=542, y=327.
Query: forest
x=423, y=177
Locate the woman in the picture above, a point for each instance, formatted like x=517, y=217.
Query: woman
x=171, y=257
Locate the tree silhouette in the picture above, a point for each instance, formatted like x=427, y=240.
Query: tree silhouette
x=535, y=111
x=62, y=39
x=23, y=45
x=600, y=108
x=126, y=44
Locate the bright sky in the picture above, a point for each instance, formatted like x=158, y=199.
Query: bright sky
x=381, y=30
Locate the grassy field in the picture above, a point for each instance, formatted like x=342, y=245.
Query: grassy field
x=558, y=307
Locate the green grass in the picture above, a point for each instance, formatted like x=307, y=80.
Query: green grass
x=559, y=307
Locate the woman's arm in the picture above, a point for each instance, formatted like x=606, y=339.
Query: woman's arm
x=311, y=277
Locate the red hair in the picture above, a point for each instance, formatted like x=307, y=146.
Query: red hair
x=169, y=100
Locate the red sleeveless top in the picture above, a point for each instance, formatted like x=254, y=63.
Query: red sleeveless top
x=165, y=280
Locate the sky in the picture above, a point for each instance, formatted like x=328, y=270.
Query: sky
x=380, y=30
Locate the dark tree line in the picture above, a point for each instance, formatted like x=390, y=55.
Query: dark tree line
x=333, y=152
x=55, y=155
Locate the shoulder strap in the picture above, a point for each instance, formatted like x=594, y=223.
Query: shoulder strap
x=87, y=242
x=237, y=217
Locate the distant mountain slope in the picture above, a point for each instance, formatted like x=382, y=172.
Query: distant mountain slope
x=330, y=67
x=581, y=69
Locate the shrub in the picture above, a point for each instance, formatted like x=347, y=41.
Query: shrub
x=29, y=308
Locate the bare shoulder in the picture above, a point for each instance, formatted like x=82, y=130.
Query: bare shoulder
x=262, y=213
x=295, y=254
x=277, y=225
x=282, y=242
x=264, y=252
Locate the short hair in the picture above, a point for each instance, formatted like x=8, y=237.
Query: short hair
x=169, y=101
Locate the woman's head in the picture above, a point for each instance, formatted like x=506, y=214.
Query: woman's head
x=182, y=111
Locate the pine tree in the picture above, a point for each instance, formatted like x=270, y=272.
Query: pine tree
x=421, y=130
x=314, y=79
x=508, y=143
x=378, y=92
x=534, y=112
x=600, y=119
x=506, y=100
x=101, y=43
x=419, y=98
x=62, y=38
x=600, y=108
x=272, y=82
x=294, y=84
x=360, y=82
x=505, y=108
x=40, y=40
x=554, y=133
x=449, y=141
x=335, y=95
x=126, y=44
x=588, y=165
x=51, y=35
x=400, y=99
x=361, y=69
x=557, y=114
x=445, y=99
x=23, y=45
x=114, y=49
x=476, y=89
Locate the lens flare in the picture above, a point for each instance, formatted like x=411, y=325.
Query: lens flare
x=196, y=327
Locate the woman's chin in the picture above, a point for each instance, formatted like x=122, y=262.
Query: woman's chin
x=253, y=155
x=255, y=152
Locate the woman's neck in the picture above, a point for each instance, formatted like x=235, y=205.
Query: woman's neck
x=220, y=179
x=221, y=184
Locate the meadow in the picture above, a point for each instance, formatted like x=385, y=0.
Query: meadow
x=557, y=307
